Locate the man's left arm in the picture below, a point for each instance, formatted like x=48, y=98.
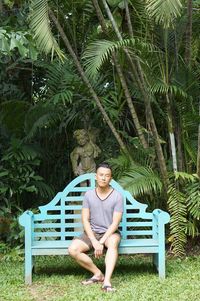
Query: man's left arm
x=117, y=216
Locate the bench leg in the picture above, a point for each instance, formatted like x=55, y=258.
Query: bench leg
x=155, y=260
x=28, y=268
x=159, y=263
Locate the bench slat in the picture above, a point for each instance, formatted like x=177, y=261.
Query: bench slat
x=147, y=216
x=66, y=207
x=73, y=198
x=58, y=244
x=57, y=216
x=139, y=232
x=56, y=225
x=139, y=224
x=56, y=234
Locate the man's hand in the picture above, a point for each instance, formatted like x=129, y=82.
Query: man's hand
x=98, y=248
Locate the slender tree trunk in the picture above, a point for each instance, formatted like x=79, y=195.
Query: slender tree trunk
x=130, y=28
x=130, y=103
x=171, y=134
x=188, y=35
x=198, y=153
x=123, y=81
x=180, y=155
x=86, y=81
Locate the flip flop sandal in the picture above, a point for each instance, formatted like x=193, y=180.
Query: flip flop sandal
x=108, y=289
x=91, y=281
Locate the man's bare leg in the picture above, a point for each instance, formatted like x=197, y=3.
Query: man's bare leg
x=111, y=257
x=77, y=250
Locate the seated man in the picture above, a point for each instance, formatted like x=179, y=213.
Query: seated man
x=101, y=214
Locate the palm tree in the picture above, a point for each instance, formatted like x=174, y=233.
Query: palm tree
x=40, y=25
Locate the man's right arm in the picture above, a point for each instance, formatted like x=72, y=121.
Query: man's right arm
x=86, y=225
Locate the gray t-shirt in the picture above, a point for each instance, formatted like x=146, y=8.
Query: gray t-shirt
x=101, y=211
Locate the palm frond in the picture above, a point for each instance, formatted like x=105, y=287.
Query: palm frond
x=40, y=117
x=162, y=88
x=185, y=176
x=140, y=180
x=164, y=12
x=61, y=81
x=41, y=27
x=192, y=228
x=100, y=51
x=178, y=210
x=44, y=190
x=193, y=199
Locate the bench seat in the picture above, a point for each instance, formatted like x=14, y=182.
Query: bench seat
x=127, y=246
x=51, y=231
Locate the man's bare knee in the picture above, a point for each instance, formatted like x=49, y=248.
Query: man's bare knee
x=113, y=241
x=73, y=251
x=76, y=248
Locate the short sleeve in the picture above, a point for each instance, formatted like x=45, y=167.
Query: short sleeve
x=119, y=206
x=85, y=201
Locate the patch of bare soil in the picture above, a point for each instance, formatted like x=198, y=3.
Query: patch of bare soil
x=41, y=292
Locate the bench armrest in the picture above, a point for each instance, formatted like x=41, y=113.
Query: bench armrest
x=162, y=217
x=25, y=218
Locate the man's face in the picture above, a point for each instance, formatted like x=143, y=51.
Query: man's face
x=103, y=177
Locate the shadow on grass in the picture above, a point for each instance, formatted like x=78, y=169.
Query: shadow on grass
x=67, y=266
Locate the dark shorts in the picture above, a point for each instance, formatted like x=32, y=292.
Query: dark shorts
x=88, y=242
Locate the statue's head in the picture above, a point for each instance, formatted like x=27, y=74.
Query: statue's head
x=81, y=136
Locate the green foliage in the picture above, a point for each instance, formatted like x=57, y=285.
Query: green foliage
x=178, y=222
x=40, y=117
x=138, y=180
x=19, y=175
x=99, y=52
x=14, y=110
x=164, y=12
x=183, y=202
x=40, y=25
x=193, y=199
x=21, y=41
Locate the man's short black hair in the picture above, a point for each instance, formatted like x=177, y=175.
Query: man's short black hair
x=105, y=165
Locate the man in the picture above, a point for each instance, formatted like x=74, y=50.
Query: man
x=101, y=214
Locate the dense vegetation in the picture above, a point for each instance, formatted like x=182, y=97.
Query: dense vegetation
x=127, y=68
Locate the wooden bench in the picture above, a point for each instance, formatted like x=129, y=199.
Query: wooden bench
x=50, y=232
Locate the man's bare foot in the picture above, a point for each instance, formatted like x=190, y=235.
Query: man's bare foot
x=94, y=279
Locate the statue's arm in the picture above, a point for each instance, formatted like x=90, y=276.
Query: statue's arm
x=74, y=156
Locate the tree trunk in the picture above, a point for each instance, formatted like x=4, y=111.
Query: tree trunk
x=130, y=28
x=171, y=134
x=180, y=155
x=198, y=153
x=130, y=104
x=188, y=34
x=123, y=81
x=86, y=81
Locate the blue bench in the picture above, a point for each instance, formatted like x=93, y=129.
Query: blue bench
x=50, y=232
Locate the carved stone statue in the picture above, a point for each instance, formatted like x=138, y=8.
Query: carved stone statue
x=82, y=157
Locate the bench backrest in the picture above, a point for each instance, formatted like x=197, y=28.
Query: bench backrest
x=61, y=218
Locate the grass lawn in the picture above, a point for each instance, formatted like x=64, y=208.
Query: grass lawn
x=58, y=279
